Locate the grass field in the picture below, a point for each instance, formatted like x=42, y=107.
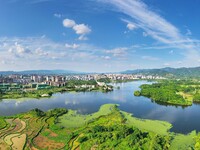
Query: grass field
x=183, y=142
x=186, y=96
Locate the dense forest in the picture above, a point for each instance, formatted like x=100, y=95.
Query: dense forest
x=177, y=92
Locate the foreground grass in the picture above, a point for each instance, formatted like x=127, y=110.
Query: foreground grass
x=3, y=123
x=109, y=128
x=183, y=142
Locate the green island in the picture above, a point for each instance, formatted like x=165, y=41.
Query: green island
x=109, y=128
x=174, y=92
x=9, y=91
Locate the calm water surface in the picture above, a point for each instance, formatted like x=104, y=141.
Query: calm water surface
x=184, y=120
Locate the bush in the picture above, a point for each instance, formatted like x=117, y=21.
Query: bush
x=137, y=93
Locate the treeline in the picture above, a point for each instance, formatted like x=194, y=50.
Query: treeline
x=123, y=137
x=73, y=83
x=51, y=113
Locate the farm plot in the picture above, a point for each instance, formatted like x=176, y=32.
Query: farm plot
x=44, y=143
x=18, y=142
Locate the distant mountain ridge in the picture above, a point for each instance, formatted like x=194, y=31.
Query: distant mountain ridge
x=40, y=72
x=168, y=72
x=165, y=72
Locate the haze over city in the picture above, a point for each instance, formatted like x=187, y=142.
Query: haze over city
x=98, y=35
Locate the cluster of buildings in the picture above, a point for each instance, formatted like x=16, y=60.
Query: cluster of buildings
x=61, y=80
x=28, y=82
x=122, y=77
x=16, y=81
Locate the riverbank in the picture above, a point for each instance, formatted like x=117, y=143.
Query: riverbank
x=43, y=93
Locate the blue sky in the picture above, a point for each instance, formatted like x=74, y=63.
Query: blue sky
x=99, y=35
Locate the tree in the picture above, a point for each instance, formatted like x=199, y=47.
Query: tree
x=137, y=93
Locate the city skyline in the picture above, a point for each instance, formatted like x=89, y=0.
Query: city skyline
x=98, y=35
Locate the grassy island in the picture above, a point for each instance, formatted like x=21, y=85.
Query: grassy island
x=109, y=128
x=175, y=92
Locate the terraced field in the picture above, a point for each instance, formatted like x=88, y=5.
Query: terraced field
x=25, y=132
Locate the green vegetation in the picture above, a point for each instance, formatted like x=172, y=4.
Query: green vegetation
x=137, y=93
x=196, y=97
x=32, y=93
x=175, y=92
x=106, y=80
x=74, y=120
x=109, y=128
x=73, y=83
x=159, y=127
x=2, y=123
x=181, y=141
x=197, y=141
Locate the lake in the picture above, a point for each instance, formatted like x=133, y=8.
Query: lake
x=184, y=120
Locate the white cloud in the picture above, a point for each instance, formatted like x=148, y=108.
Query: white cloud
x=73, y=46
x=57, y=15
x=118, y=52
x=48, y=54
x=82, y=38
x=18, y=50
x=152, y=23
x=21, y=50
x=106, y=57
x=149, y=21
x=80, y=29
x=41, y=52
x=68, y=23
x=131, y=26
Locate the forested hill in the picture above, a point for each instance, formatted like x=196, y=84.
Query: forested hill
x=168, y=72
